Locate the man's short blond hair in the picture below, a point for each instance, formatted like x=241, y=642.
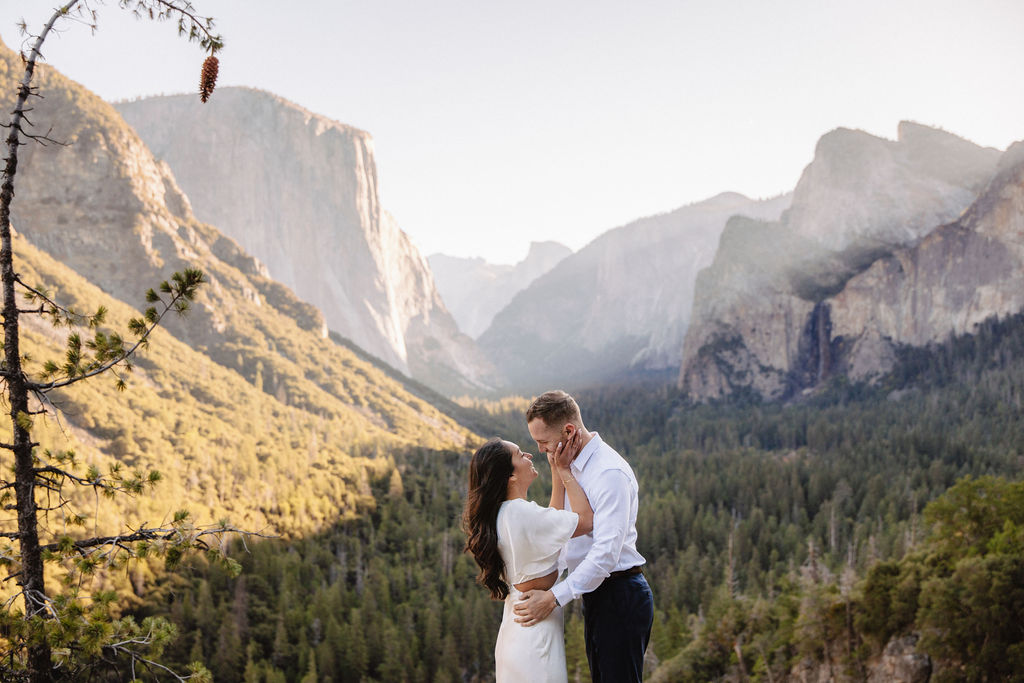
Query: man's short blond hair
x=555, y=408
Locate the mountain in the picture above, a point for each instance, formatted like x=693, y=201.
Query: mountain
x=826, y=290
x=300, y=192
x=861, y=189
x=622, y=303
x=475, y=290
x=246, y=405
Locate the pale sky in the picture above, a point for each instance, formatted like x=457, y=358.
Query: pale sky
x=500, y=123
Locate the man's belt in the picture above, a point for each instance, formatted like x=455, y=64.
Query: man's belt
x=626, y=572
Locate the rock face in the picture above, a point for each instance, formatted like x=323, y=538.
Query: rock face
x=786, y=305
x=474, y=290
x=621, y=304
x=300, y=192
x=956, y=277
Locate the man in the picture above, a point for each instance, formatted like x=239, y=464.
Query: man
x=604, y=565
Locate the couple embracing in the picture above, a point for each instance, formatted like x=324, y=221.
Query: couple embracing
x=589, y=528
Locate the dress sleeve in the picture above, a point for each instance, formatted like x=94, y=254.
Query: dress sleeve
x=537, y=535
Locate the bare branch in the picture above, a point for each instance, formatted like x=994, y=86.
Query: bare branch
x=157, y=534
x=148, y=663
x=37, y=294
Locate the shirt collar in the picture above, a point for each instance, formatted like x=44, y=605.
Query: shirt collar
x=581, y=460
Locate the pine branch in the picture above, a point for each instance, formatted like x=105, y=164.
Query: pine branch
x=183, y=292
x=185, y=10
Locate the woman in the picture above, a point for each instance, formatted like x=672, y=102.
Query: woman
x=516, y=544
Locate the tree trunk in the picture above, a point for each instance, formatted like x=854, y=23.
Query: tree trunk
x=31, y=574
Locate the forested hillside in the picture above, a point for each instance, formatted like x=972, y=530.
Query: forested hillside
x=780, y=539
x=286, y=446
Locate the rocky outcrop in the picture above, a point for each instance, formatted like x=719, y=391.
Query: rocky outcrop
x=831, y=289
x=300, y=192
x=621, y=304
x=899, y=662
x=475, y=290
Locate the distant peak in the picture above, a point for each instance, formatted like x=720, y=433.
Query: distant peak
x=841, y=139
x=439, y=257
x=728, y=196
x=547, y=246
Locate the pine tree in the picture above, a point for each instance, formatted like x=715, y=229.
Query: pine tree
x=43, y=630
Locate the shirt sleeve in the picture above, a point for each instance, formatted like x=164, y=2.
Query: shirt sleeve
x=538, y=535
x=609, y=497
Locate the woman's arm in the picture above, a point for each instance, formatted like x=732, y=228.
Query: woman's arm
x=562, y=473
x=557, y=487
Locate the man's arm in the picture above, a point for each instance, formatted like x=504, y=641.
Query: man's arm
x=609, y=495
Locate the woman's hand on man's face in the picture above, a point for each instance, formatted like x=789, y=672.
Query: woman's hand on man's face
x=565, y=452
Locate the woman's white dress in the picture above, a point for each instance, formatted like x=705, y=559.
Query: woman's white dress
x=530, y=538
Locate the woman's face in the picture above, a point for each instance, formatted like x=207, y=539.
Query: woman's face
x=522, y=464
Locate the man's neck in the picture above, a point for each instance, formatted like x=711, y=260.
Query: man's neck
x=585, y=438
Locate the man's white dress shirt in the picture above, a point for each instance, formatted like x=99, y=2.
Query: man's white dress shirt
x=611, y=488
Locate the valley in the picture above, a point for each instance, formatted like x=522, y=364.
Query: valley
x=819, y=392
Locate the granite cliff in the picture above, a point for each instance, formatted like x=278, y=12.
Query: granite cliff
x=619, y=305
x=957, y=276
x=475, y=290
x=300, y=192
x=876, y=252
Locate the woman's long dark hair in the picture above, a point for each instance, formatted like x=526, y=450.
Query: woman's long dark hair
x=489, y=471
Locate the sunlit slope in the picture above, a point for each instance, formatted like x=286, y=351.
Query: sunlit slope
x=224, y=446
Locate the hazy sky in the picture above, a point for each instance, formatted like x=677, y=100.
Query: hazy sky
x=500, y=123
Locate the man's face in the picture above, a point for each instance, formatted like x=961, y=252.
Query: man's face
x=547, y=437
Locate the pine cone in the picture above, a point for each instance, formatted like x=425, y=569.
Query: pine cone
x=208, y=79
